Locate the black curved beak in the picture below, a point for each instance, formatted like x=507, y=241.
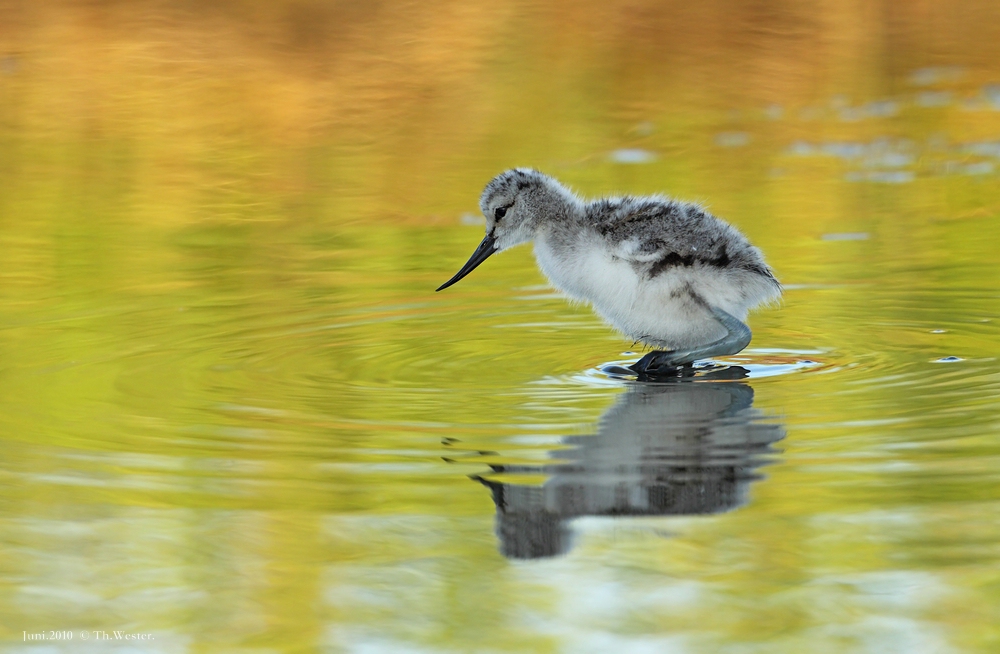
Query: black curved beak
x=481, y=254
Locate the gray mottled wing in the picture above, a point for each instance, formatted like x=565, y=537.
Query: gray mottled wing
x=658, y=234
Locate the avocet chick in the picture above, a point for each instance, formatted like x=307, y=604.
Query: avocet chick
x=663, y=272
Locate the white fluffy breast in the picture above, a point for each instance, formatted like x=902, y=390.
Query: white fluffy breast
x=589, y=273
x=662, y=311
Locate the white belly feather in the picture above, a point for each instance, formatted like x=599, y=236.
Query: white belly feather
x=660, y=311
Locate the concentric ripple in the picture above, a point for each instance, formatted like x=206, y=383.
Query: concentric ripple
x=754, y=364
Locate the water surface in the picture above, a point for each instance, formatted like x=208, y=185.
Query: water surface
x=235, y=416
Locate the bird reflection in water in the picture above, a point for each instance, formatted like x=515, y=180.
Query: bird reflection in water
x=682, y=448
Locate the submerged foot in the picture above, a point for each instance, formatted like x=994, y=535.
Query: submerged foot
x=662, y=363
x=668, y=363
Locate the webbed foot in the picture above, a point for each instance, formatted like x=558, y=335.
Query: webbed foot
x=661, y=363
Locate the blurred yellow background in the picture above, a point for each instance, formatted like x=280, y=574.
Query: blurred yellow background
x=225, y=379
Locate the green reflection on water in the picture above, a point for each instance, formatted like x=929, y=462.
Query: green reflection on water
x=226, y=379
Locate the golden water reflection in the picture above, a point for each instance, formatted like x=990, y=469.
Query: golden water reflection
x=225, y=379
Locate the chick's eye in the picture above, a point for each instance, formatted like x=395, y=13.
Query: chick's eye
x=500, y=212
